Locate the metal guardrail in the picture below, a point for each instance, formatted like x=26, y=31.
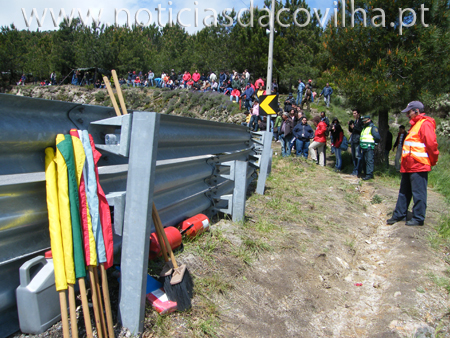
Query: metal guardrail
x=192, y=174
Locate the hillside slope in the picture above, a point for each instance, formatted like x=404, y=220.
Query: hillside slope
x=209, y=106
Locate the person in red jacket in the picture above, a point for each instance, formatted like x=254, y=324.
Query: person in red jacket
x=259, y=82
x=186, y=78
x=320, y=140
x=196, y=76
x=419, y=153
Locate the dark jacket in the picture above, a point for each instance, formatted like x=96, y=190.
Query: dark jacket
x=248, y=93
x=337, y=135
x=236, y=84
x=356, y=131
x=399, y=141
x=388, y=144
x=326, y=91
x=262, y=125
x=288, y=103
x=303, y=132
x=326, y=120
x=288, y=126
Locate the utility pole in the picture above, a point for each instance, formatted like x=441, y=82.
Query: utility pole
x=270, y=58
x=267, y=135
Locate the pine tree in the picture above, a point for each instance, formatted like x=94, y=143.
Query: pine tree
x=377, y=68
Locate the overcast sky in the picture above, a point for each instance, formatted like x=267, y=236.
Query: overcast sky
x=11, y=11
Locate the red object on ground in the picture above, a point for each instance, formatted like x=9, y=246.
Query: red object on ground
x=358, y=284
x=174, y=237
x=159, y=301
x=195, y=225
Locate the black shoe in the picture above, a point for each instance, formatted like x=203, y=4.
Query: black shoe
x=367, y=178
x=413, y=222
x=393, y=220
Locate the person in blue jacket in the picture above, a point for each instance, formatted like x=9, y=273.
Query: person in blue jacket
x=248, y=93
x=303, y=133
x=300, y=89
x=326, y=92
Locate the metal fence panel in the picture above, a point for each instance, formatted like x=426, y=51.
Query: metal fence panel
x=186, y=179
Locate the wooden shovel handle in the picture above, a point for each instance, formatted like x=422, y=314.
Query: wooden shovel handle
x=64, y=314
x=107, y=301
x=111, y=95
x=73, y=311
x=98, y=323
x=119, y=92
x=102, y=317
x=85, y=305
x=160, y=238
x=158, y=223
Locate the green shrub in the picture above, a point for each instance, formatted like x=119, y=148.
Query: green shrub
x=167, y=95
x=100, y=96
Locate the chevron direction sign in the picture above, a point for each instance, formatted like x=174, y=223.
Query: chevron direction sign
x=268, y=105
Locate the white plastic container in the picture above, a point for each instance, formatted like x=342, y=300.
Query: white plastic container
x=37, y=299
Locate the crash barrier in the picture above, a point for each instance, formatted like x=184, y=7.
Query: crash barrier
x=199, y=166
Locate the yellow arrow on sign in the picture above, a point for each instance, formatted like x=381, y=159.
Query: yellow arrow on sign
x=265, y=105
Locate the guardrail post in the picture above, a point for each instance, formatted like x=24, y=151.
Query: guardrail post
x=236, y=201
x=138, y=220
x=265, y=161
x=240, y=190
x=117, y=200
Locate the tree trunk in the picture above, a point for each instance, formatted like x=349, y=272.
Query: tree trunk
x=383, y=124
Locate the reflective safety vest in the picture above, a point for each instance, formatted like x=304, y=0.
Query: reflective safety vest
x=366, y=140
x=413, y=145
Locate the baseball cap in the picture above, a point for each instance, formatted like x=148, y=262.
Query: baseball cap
x=413, y=105
x=309, y=80
x=365, y=118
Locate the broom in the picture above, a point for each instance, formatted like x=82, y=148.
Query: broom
x=179, y=286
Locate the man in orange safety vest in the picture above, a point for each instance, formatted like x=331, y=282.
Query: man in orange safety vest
x=419, y=153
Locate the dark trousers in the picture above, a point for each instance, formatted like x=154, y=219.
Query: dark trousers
x=254, y=122
x=302, y=147
x=248, y=104
x=356, y=158
x=412, y=185
x=368, y=162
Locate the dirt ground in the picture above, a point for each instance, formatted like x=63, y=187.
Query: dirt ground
x=331, y=267
x=349, y=275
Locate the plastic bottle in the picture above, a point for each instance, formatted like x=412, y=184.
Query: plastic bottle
x=37, y=299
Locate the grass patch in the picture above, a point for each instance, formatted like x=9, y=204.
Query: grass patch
x=264, y=226
x=442, y=282
x=256, y=246
x=439, y=177
x=376, y=199
x=444, y=226
x=243, y=254
x=350, y=244
x=420, y=289
x=207, y=244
